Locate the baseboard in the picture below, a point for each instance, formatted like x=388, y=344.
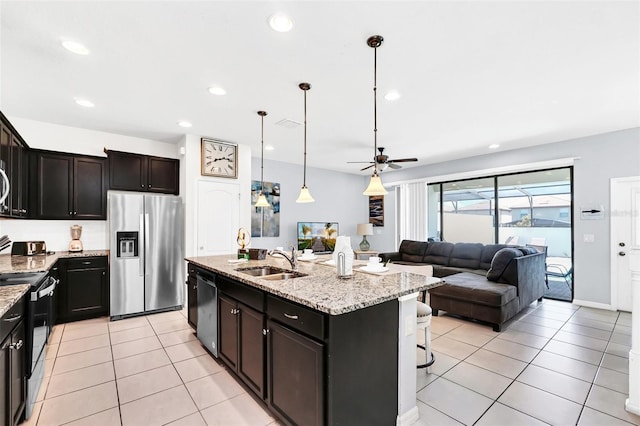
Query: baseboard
x=588, y=304
x=408, y=418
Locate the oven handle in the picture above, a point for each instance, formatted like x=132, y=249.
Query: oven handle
x=48, y=291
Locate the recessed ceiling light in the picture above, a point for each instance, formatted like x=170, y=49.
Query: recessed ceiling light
x=218, y=91
x=85, y=103
x=75, y=47
x=280, y=22
x=392, y=95
x=269, y=148
x=494, y=146
x=184, y=124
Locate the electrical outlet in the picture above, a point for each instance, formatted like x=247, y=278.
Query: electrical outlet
x=409, y=325
x=588, y=238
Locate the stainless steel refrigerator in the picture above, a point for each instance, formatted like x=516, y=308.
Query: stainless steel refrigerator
x=146, y=255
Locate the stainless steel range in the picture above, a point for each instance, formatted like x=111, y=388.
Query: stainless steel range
x=39, y=321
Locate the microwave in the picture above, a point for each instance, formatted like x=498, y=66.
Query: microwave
x=28, y=248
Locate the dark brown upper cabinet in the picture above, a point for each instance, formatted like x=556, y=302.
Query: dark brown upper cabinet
x=14, y=157
x=136, y=172
x=69, y=186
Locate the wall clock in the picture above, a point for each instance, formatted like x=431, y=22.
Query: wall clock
x=219, y=159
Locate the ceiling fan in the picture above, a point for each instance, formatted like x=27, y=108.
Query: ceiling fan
x=381, y=161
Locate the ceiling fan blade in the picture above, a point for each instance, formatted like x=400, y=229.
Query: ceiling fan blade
x=402, y=160
x=360, y=162
x=368, y=167
x=394, y=166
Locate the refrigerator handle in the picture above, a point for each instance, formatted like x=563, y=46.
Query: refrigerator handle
x=143, y=252
x=146, y=240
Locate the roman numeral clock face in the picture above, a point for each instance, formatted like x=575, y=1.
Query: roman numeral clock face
x=219, y=159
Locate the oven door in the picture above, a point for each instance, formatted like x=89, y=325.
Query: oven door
x=40, y=317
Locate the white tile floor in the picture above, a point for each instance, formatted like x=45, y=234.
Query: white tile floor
x=555, y=364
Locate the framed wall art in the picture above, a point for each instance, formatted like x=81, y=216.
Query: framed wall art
x=376, y=210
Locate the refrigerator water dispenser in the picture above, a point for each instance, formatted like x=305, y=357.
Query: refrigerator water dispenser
x=127, y=244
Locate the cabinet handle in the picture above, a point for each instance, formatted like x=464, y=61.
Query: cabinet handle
x=104, y=273
x=70, y=213
x=195, y=286
x=86, y=263
x=142, y=185
x=15, y=211
x=23, y=210
x=16, y=345
x=293, y=317
x=149, y=185
x=235, y=311
x=265, y=331
x=12, y=319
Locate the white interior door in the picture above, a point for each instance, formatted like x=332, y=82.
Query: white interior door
x=625, y=236
x=218, y=218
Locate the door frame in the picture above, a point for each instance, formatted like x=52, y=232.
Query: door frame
x=613, y=252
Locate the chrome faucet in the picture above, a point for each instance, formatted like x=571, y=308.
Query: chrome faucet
x=293, y=259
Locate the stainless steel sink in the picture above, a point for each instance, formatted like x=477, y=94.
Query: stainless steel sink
x=270, y=272
x=284, y=276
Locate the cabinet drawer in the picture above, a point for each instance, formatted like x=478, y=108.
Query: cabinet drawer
x=87, y=262
x=11, y=318
x=297, y=317
x=250, y=296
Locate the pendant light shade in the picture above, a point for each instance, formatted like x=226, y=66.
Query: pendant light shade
x=375, y=184
x=262, y=200
x=305, y=195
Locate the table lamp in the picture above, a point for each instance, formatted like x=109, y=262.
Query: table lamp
x=364, y=229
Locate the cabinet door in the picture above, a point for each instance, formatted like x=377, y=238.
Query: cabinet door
x=127, y=172
x=55, y=186
x=228, y=331
x=5, y=163
x=17, y=353
x=295, y=372
x=192, y=301
x=86, y=293
x=15, y=177
x=4, y=380
x=163, y=175
x=251, y=338
x=89, y=183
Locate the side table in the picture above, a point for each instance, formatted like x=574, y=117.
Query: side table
x=364, y=255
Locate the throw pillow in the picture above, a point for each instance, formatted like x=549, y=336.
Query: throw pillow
x=500, y=261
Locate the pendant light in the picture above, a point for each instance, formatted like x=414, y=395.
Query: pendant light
x=305, y=195
x=262, y=200
x=375, y=184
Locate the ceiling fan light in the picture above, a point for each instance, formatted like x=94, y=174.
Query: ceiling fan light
x=375, y=186
x=305, y=196
x=262, y=201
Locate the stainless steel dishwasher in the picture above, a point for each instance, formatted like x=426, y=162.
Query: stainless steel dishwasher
x=207, y=311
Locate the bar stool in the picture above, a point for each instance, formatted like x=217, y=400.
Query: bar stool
x=424, y=322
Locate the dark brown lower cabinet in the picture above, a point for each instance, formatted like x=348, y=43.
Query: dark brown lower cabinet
x=12, y=367
x=295, y=372
x=83, y=288
x=241, y=341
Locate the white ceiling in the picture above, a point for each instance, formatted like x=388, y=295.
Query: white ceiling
x=471, y=74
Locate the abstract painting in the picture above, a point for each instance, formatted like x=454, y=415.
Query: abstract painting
x=376, y=210
x=265, y=221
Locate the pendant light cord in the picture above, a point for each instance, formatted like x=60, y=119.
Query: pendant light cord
x=262, y=114
x=304, y=175
x=375, y=110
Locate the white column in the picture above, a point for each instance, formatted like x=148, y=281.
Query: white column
x=407, y=408
x=633, y=402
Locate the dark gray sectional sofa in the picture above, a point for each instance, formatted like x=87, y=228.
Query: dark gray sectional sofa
x=486, y=282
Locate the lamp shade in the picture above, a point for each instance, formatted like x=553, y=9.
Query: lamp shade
x=305, y=196
x=375, y=186
x=262, y=201
x=365, y=229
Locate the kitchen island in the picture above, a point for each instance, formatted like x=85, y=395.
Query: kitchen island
x=318, y=349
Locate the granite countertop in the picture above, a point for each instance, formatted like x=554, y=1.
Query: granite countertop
x=10, y=294
x=41, y=262
x=321, y=289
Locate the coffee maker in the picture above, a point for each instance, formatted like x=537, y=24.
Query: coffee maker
x=75, y=245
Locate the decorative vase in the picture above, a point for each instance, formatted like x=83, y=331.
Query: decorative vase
x=364, y=244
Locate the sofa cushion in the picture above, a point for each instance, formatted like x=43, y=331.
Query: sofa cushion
x=528, y=250
x=440, y=271
x=412, y=251
x=500, y=262
x=438, y=253
x=472, y=287
x=466, y=255
x=488, y=252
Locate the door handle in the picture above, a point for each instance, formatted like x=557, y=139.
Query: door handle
x=16, y=345
x=621, y=253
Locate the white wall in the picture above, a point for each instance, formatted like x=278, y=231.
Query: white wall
x=55, y=137
x=338, y=198
x=599, y=158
